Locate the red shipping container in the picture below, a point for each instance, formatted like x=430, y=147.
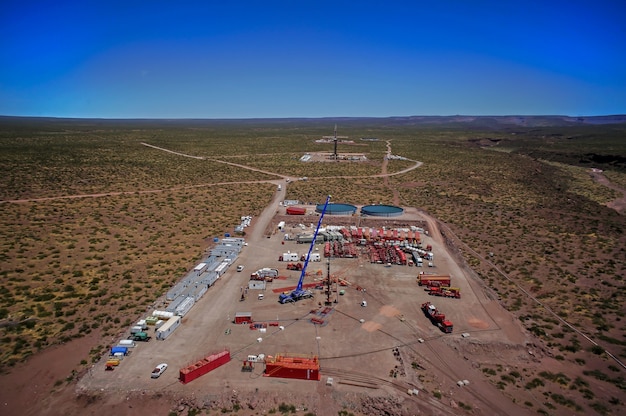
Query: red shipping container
x=207, y=364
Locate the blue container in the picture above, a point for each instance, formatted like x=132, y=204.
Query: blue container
x=123, y=350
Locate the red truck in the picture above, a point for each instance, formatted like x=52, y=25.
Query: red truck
x=437, y=318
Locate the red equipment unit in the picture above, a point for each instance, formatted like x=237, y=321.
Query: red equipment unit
x=296, y=211
x=203, y=366
x=243, y=317
x=430, y=279
x=302, y=367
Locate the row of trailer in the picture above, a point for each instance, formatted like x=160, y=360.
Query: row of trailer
x=181, y=297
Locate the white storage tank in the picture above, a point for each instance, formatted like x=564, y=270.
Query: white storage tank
x=126, y=343
x=163, y=314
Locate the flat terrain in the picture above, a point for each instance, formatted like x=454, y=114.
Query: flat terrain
x=102, y=219
x=350, y=351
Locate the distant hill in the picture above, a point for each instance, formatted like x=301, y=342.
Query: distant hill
x=456, y=121
x=508, y=121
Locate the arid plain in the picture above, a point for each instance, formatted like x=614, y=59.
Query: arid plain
x=98, y=226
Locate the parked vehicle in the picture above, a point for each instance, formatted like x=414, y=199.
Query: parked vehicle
x=437, y=318
x=119, y=349
x=433, y=280
x=240, y=268
x=158, y=370
x=128, y=343
x=140, y=336
x=112, y=362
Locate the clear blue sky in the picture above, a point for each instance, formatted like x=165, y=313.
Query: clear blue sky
x=298, y=58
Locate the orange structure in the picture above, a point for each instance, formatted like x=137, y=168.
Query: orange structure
x=302, y=367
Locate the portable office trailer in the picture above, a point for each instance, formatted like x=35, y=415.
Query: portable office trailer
x=176, y=303
x=167, y=328
x=239, y=242
x=200, y=268
x=176, y=290
x=289, y=257
x=199, y=291
x=185, y=306
x=223, y=266
x=210, y=278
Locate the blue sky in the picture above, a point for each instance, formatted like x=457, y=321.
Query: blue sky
x=298, y=58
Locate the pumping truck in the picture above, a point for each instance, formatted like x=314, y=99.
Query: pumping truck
x=437, y=318
x=300, y=293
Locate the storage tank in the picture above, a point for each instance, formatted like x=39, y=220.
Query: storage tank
x=296, y=211
x=163, y=314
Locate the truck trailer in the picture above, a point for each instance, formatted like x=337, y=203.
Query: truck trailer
x=433, y=280
x=167, y=328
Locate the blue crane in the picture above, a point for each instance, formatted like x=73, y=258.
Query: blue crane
x=299, y=293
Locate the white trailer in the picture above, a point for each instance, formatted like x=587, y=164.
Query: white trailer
x=185, y=306
x=167, y=328
x=315, y=257
x=200, y=268
x=290, y=256
x=129, y=343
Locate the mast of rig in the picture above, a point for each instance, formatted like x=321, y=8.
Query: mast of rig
x=328, y=283
x=335, y=156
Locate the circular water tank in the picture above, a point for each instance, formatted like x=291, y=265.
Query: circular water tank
x=381, y=210
x=336, y=209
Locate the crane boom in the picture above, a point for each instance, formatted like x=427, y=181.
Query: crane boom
x=299, y=293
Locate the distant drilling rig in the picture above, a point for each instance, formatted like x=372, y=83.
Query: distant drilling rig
x=335, y=155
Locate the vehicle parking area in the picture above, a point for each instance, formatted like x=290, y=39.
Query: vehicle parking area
x=380, y=343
